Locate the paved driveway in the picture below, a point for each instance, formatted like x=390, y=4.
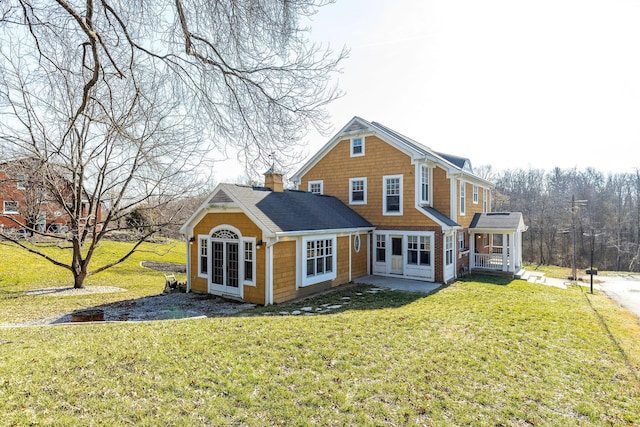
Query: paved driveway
x=624, y=289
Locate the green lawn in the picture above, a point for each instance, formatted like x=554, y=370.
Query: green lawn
x=479, y=352
x=22, y=271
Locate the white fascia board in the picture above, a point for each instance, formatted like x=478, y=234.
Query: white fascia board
x=205, y=208
x=197, y=216
x=339, y=232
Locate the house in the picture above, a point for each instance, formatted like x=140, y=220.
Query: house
x=27, y=205
x=371, y=201
x=267, y=245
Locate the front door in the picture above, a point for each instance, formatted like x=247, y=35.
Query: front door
x=225, y=271
x=397, y=260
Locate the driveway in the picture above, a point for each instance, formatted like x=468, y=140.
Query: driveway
x=624, y=289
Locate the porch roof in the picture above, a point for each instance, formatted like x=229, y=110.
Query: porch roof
x=497, y=221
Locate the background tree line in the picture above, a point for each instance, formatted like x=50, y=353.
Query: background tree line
x=604, y=208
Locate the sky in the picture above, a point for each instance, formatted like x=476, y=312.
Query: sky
x=506, y=83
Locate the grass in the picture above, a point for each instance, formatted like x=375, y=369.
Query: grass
x=483, y=351
x=22, y=271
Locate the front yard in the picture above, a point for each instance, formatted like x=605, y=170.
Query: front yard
x=479, y=352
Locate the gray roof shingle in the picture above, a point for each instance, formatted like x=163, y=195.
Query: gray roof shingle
x=293, y=210
x=497, y=220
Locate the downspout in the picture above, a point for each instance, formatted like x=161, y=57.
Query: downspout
x=268, y=300
x=188, y=243
x=350, y=261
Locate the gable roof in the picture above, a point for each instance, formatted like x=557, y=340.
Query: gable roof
x=498, y=221
x=288, y=211
x=418, y=151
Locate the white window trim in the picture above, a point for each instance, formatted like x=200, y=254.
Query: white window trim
x=319, y=181
x=251, y=240
x=357, y=202
x=308, y=281
x=421, y=169
x=351, y=147
x=357, y=243
x=475, y=194
x=204, y=237
x=449, y=238
x=463, y=198
x=10, y=212
x=384, y=195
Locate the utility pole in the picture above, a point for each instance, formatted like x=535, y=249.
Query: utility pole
x=575, y=205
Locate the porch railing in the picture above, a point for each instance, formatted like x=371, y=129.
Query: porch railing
x=492, y=261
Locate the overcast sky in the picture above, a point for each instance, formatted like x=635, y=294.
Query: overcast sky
x=510, y=83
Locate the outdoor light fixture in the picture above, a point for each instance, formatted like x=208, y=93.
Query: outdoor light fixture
x=191, y=240
x=259, y=243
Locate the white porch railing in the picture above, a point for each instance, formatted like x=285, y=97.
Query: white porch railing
x=492, y=261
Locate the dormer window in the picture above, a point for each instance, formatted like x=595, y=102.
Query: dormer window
x=357, y=146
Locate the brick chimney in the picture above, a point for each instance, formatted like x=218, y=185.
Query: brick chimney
x=273, y=180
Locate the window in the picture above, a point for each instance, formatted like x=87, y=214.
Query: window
x=316, y=187
x=10, y=207
x=392, y=200
x=22, y=182
x=475, y=194
x=249, y=271
x=462, y=198
x=461, y=246
x=357, y=146
x=418, y=250
x=484, y=200
x=356, y=243
x=448, y=249
x=320, y=262
x=357, y=191
x=424, y=184
x=381, y=248
x=202, y=253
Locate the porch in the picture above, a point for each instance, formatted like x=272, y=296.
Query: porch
x=496, y=243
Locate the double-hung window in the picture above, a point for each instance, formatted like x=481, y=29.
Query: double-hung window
x=392, y=197
x=463, y=198
x=357, y=146
x=448, y=249
x=381, y=248
x=484, y=200
x=424, y=184
x=22, y=182
x=418, y=250
x=320, y=260
x=357, y=191
x=203, y=243
x=10, y=207
x=475, y=194
x=249, y=264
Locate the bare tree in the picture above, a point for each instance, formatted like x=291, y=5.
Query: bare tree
x=123, y=103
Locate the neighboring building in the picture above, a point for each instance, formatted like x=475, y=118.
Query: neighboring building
x=26, y=204
x=417, y=213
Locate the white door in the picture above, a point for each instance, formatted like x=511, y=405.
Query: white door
x=397, y=260
x=449, y=257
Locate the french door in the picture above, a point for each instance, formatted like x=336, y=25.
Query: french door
x=225, y=266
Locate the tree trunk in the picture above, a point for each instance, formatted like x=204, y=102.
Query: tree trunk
x=79, y=274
